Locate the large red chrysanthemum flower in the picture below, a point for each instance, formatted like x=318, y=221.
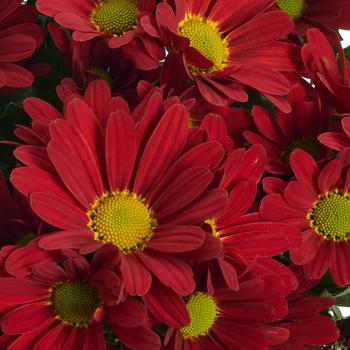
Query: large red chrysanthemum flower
x=225, y=46
x=316, y=13
x=318, y=203
x=337, y=140
x=124, y=23
x=232, y=319
x=142, y=188
x=322, y=67
x=19, y=38
x=283, y=133
x=63, y=307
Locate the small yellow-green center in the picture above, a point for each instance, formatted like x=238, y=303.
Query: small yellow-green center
x=203, y=313
x=75, y=302
x=211, y=225
x=123, y=219
x=206, y=38
x=308, y=144
x=294, y=8
x=330, y=216
x=115, y=16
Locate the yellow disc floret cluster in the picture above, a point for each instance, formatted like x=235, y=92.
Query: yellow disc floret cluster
x=123, y=219
x=203, y=313
x=206, y=38
x=115, y=16
x=330, y=216
x=74, y=302
x=294, y=8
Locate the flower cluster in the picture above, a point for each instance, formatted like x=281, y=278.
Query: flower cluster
x=187, y=186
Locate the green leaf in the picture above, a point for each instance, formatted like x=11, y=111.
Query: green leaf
x=347, y=53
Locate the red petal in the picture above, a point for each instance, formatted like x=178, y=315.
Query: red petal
x=73, y=239
x=137, y=277
x=54, y=339
x=16, y=76
x=16, y=47
x=138, y=338
x=75, y=162
x=171, y=271
x=317, y=267
x=182, y=191
x=40, y=110
x=208, y=205
x=120, y=149
x=57, y=211
x=304, y=167
x=177, y=239
x=21, y=261
x=130, y=313
x=27, y=318
x=166, y=305
x=12, y=291
x=88, y=126
x=163, y=147
x=339, y=267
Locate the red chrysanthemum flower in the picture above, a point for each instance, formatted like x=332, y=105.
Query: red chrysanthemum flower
x=124, y=23
x=337, y=140
x=19, y=38
x=318, y=203
x=283, y=133
x=142, y=188
x=305, y=324
x=232, y=319
x=316, y=13
x=242, y=233
x=90, y=60
x=322, y=67
x=63, y=307
x=303, y=311
x=225, y=46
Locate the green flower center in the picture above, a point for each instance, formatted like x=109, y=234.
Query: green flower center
x=203, y=313
x=75, y=302
x=23, y=240
x=294, y=8
x=123, y=219
x=115, y=16
x=206, y=38
x=330, y=216
x=308, y=144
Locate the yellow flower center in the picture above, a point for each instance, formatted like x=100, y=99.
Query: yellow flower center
x=203, y=313
x=294, y=8
x=75, y=302
x=212, y=227
x=115, y=16
x=330, y=216
x=123, y=219
x=308, y=144
x=206, y=38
